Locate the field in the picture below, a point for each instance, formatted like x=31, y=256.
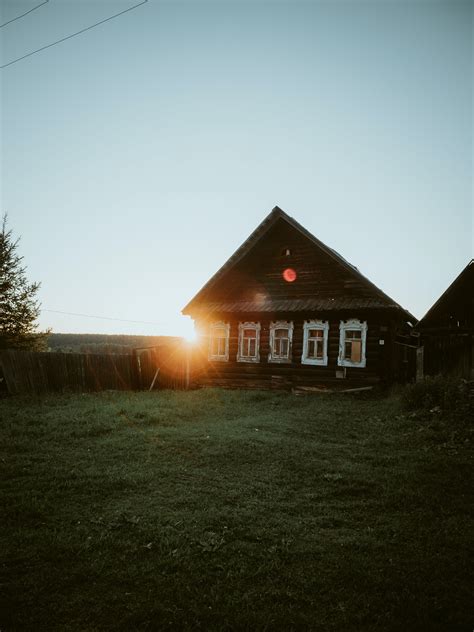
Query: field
x=226, y=510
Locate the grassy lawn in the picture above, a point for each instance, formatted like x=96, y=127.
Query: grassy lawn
x=226, y=510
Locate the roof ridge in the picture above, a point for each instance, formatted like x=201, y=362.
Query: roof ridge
x=268, y=221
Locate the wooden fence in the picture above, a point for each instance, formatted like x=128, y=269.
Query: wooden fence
x=25, y=372
x=165, y=366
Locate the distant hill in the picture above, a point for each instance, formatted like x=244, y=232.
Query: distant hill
x=103, y=343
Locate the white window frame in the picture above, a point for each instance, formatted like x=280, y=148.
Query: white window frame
x=321, y=325
x=281, y=324
x=225, y=356
x=357, y=325
x=256, y=327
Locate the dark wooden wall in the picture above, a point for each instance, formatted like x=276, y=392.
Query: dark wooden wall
x=447, y=330
x=449, y=353
x=381, y=360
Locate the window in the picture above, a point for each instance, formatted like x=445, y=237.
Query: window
x=249, y=342
x=315, y=342
x=281, y=336
x=352, y=341
x=219, y=342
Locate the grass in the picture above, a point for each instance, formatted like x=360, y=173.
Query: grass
x=226, y=510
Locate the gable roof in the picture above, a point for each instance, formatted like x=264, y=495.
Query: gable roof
x=455, y=291
x=381, y=300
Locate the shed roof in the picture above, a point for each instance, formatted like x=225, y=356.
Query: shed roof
x=461, y=291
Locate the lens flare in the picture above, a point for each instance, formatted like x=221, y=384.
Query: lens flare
x=190, y=337
x=289, y=275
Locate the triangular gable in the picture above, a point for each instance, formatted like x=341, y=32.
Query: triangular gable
x=461, y=287
x=200, y=299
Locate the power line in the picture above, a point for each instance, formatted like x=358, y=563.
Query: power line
x=23, y=14
x=122, y=320
x=88, y=28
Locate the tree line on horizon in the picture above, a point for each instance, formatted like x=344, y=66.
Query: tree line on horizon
x=104, y=343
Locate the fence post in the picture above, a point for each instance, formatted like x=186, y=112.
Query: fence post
x=471, y=372
x=419, y=363
x=136, y=372
x=188, y=362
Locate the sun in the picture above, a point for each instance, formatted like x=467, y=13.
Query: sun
x=190, y=337
x=188, y=332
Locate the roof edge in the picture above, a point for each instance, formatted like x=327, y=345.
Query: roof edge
x=275, y=214
x=446, y=292
x=238, y=254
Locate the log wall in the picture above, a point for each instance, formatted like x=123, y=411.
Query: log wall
x=380, y=359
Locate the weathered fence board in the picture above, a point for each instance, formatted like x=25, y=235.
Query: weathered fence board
x=172, y=360
x=27, y=372
x=32, y=372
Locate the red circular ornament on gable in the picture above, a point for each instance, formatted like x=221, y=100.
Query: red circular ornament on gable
x=289, y=275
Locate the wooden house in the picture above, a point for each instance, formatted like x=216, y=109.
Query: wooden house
x=286, y=310
x=447, y=329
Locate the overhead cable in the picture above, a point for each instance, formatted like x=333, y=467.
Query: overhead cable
x=23, y=14
x=63, y=39
x=122, y=320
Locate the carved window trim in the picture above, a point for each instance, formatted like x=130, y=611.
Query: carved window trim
x=353, y=324
x=219, y=357
x=272, y=356
x=320, y=325
x=240, y=352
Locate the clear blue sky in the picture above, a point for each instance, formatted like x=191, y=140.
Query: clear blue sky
x=137, y=156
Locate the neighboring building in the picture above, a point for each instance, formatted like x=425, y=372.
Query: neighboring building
x=447, y=329
x=286, y=310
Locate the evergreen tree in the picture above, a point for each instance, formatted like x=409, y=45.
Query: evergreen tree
x=19, y=308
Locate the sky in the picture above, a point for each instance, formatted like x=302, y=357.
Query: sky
x=138, y=155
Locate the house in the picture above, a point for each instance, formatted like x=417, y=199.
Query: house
x=447, y=329
x=286, y=310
